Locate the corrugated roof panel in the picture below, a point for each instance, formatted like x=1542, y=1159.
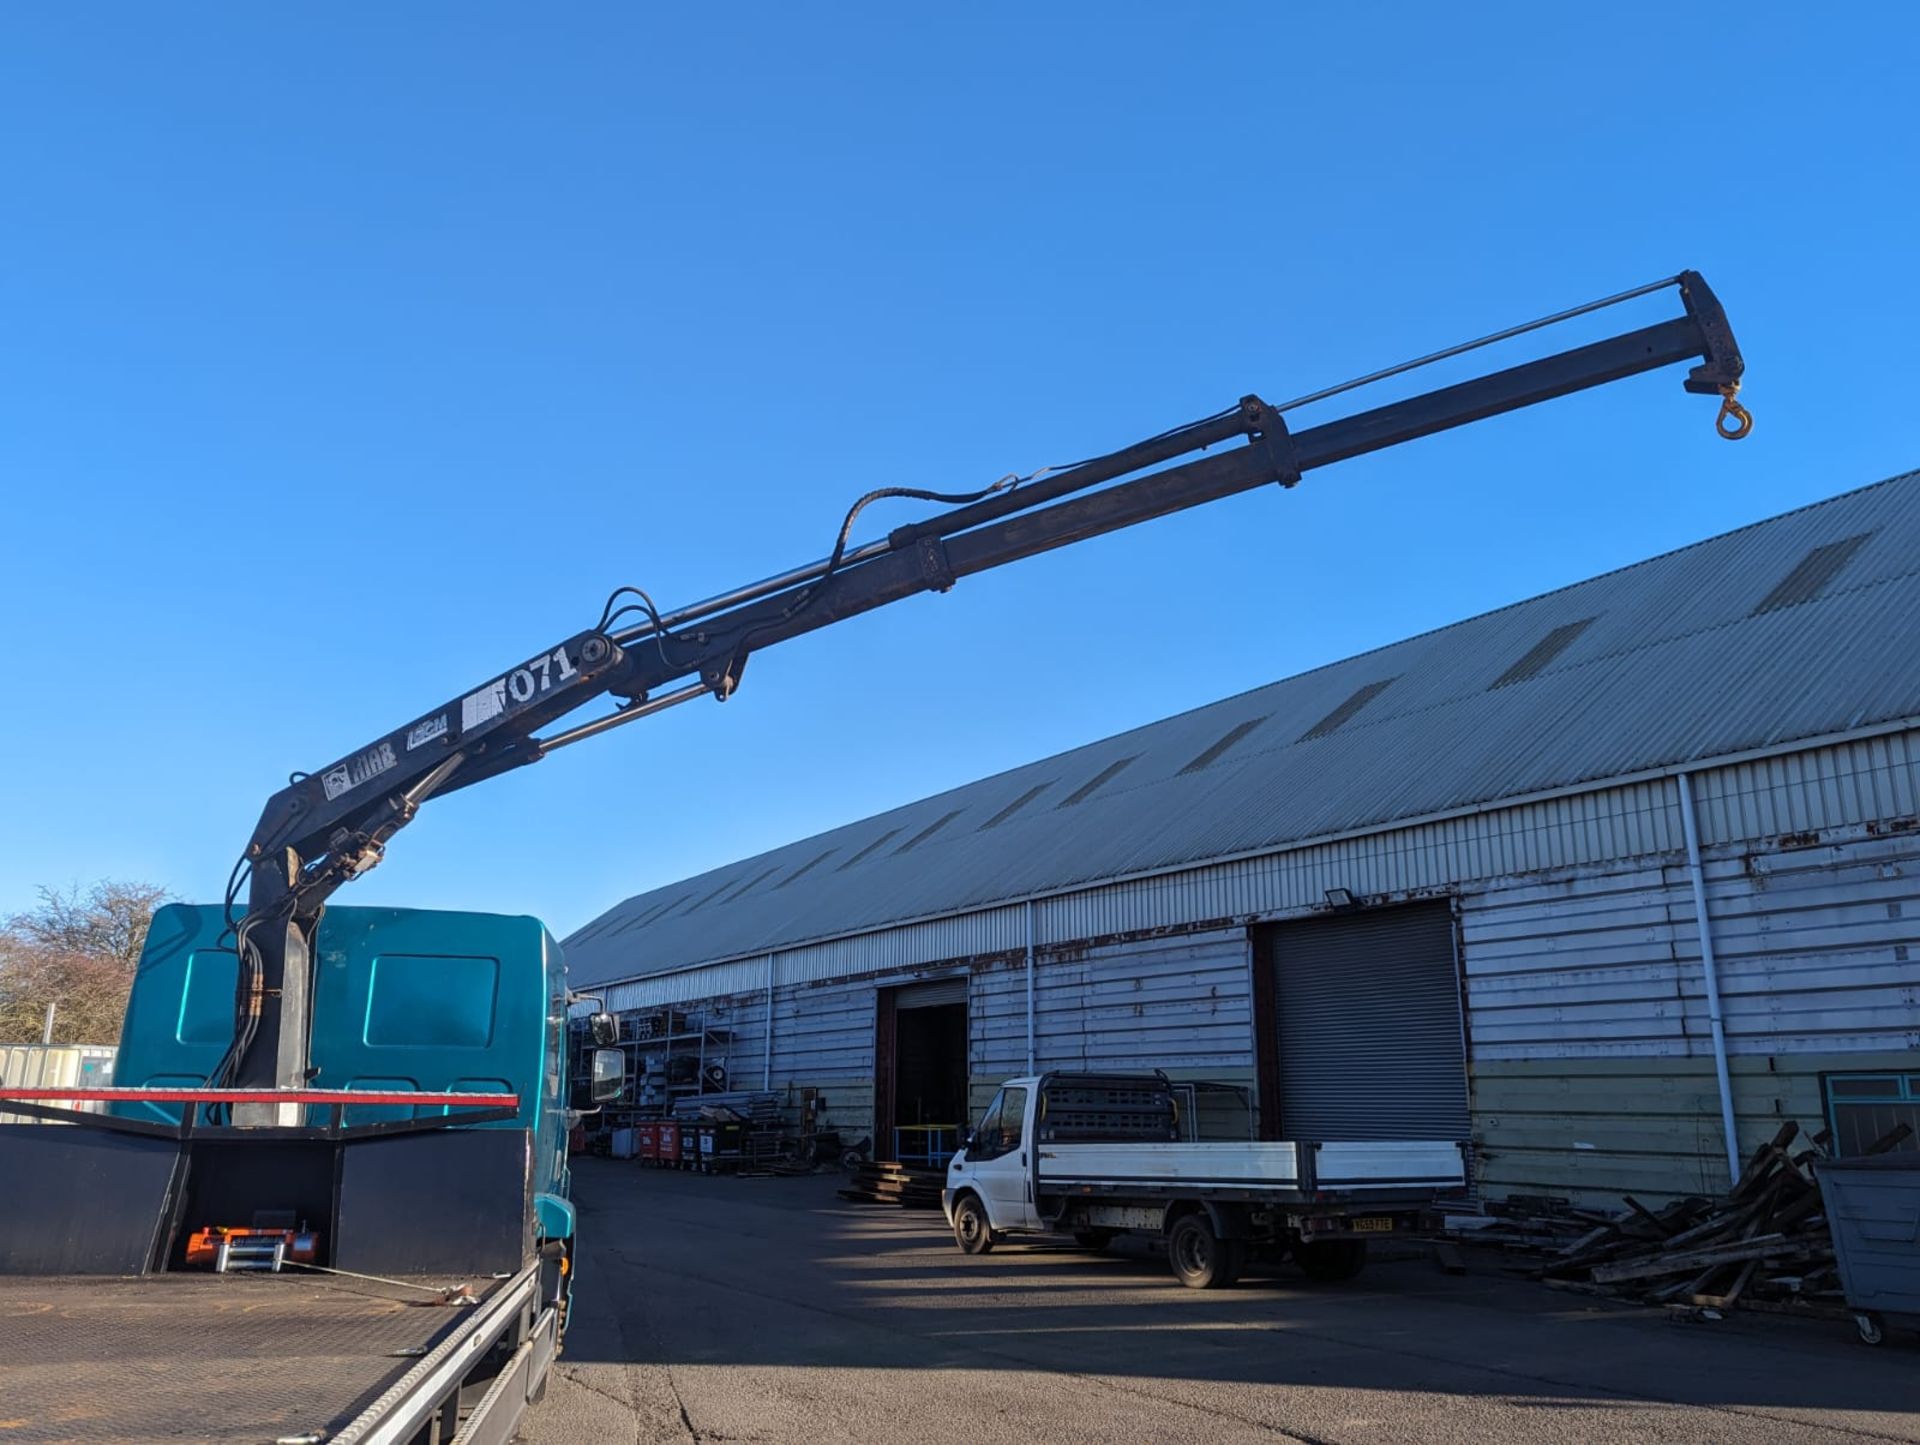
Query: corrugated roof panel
x=1676, y=666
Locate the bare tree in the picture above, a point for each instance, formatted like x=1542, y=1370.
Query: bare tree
x=76, y=950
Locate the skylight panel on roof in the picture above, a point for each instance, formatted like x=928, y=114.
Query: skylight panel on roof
x=927, y=832
x=659, y=910
x=1541, y=653
x=1015, y=806
x=713, y=895
x=876, y=843
x=1811, y=574
x=1092, y=785
x=592, y=930
x=1222, y=744
x=753, y=883
x=804, y=869
x=1344, y=714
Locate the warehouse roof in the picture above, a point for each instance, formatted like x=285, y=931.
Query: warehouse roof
x=1796, y=627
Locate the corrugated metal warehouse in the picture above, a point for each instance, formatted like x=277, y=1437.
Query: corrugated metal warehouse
x=1449, y=888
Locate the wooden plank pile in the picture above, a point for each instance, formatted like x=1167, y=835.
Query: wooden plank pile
x=1765, y=1246
x=887, y=1182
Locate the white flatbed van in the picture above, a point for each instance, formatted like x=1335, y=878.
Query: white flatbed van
x=1100, y=1155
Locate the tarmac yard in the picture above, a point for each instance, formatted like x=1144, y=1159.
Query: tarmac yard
x=718, y=1309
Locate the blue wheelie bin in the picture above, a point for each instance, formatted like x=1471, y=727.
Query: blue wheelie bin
x=1873, y=1210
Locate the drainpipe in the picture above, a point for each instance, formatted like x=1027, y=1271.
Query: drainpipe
x=1710, y=976
x=766, y=1077
x=1029, y=985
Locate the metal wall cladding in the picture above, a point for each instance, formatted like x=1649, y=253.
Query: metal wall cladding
x=1674, y=667
x=823, y=1033
x=55, y=1066
x=1818, y=951
x=1871, y=780
x=1179, y=1004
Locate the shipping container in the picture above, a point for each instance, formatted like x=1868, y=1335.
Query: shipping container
x=55, y=1066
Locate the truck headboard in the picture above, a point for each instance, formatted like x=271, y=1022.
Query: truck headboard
x=1106, y=1108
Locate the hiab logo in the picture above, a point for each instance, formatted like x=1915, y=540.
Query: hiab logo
x=355, y=771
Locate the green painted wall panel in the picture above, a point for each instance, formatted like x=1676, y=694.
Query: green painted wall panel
x=1653, y=1124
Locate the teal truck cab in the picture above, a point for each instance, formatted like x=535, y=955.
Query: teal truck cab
x=427, y=1167
x=405, y=1001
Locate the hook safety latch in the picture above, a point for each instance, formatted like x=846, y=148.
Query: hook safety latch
x=1734, y=420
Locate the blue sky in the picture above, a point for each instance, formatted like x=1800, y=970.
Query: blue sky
x=355, y=352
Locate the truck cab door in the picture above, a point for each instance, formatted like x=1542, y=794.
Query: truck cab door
x=999, y=1161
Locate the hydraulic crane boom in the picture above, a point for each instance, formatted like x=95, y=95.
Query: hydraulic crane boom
x=327, y=827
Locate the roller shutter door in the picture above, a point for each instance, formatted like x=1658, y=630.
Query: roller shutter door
x=1370, y=1040
x=931, y=994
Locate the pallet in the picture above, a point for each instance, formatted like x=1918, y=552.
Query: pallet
x=889, y=1182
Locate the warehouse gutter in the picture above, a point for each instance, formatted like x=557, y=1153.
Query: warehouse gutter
x=1710, y=975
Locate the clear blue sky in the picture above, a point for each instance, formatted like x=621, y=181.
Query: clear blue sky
x=354, y=352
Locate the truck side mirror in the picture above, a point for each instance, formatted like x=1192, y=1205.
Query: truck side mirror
x=604, y=1028
x=609, y=1075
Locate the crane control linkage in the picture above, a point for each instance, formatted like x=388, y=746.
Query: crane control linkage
x=327, y=827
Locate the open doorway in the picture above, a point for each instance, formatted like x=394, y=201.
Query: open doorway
x=920, y=1074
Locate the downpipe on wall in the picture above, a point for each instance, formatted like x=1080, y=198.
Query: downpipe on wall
x=1030, y=986
x=1710, y=976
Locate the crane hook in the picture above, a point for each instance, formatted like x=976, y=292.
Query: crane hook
x=1734, y=420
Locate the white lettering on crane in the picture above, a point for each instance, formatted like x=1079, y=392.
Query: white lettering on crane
x=517, y=688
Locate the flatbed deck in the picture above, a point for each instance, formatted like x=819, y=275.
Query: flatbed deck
x=235, y=1357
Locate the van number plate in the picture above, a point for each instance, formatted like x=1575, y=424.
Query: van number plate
x=1372, y=1224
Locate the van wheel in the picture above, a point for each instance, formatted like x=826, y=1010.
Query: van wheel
x=1199, y=1258
x=1331, y=1260
x=1093, y=1239
x=971, y=1229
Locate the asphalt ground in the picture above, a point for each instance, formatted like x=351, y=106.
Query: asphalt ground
x=721, y=1309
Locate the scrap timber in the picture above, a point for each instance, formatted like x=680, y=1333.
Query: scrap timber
x=1765, y=1246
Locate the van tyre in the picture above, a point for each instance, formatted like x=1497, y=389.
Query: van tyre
x=1331, y=1260
x=1199, y=1258
x=1093, y=1239
x=971, y=1229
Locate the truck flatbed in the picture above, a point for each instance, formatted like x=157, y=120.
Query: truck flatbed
x=232, y=1357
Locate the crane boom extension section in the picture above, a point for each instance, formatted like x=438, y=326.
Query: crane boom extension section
x=327, y=827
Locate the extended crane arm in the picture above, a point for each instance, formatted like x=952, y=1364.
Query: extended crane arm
x=326, y=828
